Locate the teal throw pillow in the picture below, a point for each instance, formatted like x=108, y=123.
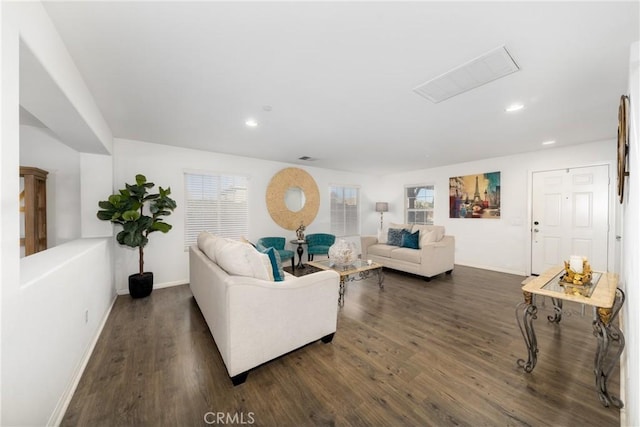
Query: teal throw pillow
x=276, y=264
x=394, y=237
x=410, y=240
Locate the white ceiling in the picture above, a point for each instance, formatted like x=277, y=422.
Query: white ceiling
x=339, y=76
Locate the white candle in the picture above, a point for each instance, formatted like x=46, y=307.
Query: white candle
x=576, y=263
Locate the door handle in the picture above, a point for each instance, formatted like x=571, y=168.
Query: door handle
x=535, y=230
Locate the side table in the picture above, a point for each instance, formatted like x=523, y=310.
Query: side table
x=299, y=250
x=606, y=299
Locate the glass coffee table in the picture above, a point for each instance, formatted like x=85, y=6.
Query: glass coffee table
x=359, y=270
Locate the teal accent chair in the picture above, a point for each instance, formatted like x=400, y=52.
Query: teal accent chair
x=278, y=244
x=318, y=244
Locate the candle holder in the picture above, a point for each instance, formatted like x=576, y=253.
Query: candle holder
x=575, y=278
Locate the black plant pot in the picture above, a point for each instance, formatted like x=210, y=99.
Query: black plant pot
x=141, y=285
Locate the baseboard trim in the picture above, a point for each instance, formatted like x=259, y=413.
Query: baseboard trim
x=156, y=286
x=492, y=268
x=65, y=399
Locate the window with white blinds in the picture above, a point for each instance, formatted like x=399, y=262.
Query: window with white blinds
x=345, y=211
x=217, y=204
x=419, y=204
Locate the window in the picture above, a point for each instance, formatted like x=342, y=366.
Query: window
x=345, y=211
x=419, y=204
x=215, y=203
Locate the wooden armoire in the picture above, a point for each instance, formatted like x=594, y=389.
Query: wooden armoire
x=35, y=209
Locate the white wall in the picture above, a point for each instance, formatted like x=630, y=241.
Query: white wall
x=9, y=180
x=631, y=251
x=40, y=148
x=165, y=166
x=507, y=238
x=497, y=244
x=52, y=88
x=44, y=298
x=96, y=177
x=65, y=296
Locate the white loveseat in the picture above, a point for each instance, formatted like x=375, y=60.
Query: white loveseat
x=254, y=320
x=435, y=253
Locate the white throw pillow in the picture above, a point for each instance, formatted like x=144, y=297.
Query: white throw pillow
x=203, y=237
x=260, y=264
x=242, y=259
x=207, y=244
x=383, y=234
x=427, y=237
x=439, y=230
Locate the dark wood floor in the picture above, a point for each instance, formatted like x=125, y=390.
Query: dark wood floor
x=424, y=354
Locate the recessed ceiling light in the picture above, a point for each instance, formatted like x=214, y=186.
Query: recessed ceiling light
x=251, y=123
x=514, y=107
x=548, y=143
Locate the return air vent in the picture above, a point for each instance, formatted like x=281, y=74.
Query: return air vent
x=491, y=66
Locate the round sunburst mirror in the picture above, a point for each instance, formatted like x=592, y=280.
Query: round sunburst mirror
x=292, y=198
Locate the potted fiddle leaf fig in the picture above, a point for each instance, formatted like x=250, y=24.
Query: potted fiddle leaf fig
x=140, y=213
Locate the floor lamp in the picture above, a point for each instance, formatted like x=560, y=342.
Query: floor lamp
x=382, y=207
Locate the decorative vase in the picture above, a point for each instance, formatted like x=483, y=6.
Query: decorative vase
x=343, y=253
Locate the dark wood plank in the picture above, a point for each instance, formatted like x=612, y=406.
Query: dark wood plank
x=416, y=353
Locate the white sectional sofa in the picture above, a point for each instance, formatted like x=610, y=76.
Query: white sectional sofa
x=254, y=320
x=434, y=254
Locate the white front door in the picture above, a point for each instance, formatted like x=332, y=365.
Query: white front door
x=570, y=216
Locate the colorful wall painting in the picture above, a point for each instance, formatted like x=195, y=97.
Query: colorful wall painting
x=475, y=196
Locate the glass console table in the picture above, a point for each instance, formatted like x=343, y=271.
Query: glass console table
x=605, y=298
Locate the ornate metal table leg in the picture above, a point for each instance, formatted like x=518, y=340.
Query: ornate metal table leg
x=525, y=322
x=557, y=311
x=380, y=278
x=341, y=294
x=607, y=332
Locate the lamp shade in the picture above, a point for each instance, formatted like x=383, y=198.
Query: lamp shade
x=382, y=207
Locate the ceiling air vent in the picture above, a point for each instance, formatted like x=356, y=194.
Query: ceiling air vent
x=491, y=66
x=307, y=158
